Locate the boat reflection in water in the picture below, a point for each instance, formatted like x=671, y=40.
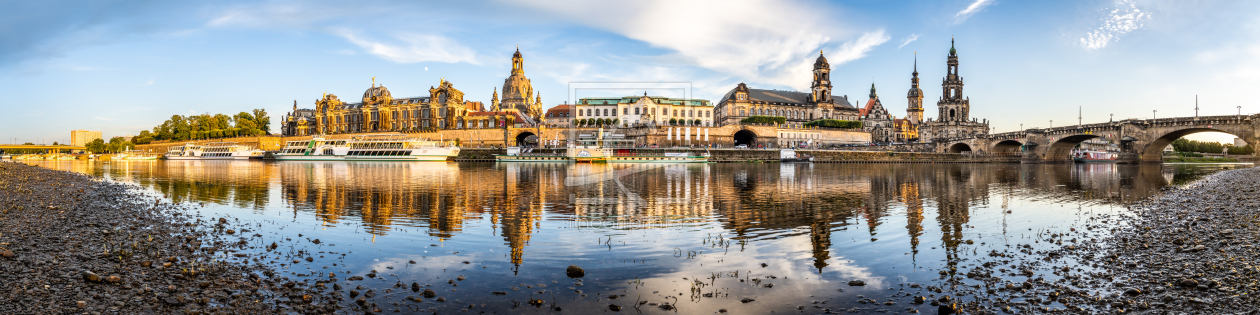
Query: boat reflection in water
x=639, y=229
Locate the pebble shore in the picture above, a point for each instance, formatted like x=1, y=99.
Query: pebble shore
x=1188, y=250
x=74, y=244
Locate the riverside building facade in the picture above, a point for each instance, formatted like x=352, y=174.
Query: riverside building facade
x=797, y=107
x=644, y=110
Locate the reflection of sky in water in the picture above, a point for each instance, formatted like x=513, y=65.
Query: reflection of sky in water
x=648, y=231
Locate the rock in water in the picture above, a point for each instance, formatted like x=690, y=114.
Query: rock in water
x=428, y=293
x=857, y=283
x=575, y=272
x=415, y=287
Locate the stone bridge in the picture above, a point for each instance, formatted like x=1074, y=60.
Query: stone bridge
x=1140, y=140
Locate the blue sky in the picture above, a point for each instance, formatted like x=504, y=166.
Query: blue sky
x=125, y=66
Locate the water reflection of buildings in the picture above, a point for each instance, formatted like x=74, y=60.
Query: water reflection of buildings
x=754, y=201
x=641, y=195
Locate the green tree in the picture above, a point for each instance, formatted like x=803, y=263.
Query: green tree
x=262, y=121
x=97, y=146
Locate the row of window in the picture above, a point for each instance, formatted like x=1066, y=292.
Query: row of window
x=380, y=153
x=406, y=114
x=216, y=154
x=626, y=111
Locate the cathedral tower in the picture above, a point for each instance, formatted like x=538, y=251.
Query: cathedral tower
x=820, y=89
x=953, y=107
x=914, y=111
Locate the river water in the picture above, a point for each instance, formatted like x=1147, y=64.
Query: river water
x=748, y=238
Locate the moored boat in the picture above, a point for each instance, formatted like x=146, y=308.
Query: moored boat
x=368, y=148
x=213, y=151
x=790, y=156
x=1092, y=156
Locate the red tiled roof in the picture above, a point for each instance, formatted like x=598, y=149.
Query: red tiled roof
x=870, y=104
x=559, y=111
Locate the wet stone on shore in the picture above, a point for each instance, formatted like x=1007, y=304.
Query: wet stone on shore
x=75, y=244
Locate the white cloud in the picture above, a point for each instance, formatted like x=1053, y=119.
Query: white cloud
x=721, y=37
x=910, y=39
x=1124, y=19
x=972, y=9
x=400, y=47
x=413, y=48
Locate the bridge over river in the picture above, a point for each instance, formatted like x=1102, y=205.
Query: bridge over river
x=1140, y=140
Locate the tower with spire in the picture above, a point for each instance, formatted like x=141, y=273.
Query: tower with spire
x=914, y=109
x=953, y=119
x=953, y=106
x=494, y=101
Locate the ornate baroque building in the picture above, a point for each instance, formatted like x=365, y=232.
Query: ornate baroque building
x=443, y=108
x=876, y=119
x=798, y=107
x=517, y=91
x=379, y=111
x=954, y=120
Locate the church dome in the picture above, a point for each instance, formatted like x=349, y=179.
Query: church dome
x=516, y=87
x=821, y=61
x=376, y=91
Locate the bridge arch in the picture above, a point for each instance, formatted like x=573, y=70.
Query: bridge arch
x=959, y=148
x=745, y=136
x=1007, y=146
x=1061, y=149
x=1154, y=150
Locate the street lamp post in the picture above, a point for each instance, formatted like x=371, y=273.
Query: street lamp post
x=1052, y=123
x=1239, y=110
x=1153, y=114
x=1113, y=118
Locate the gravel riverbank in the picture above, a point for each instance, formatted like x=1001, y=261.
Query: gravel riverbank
x=72, y=244
x=1189, y=250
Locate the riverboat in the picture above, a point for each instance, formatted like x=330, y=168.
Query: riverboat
x=368, y=148
x=1091, y=156
x=790, y=156
x=136, y=155
x=213, y=151
x=678, y=155
x=527, y=154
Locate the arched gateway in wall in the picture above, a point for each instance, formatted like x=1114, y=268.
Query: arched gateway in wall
x=745, y=137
